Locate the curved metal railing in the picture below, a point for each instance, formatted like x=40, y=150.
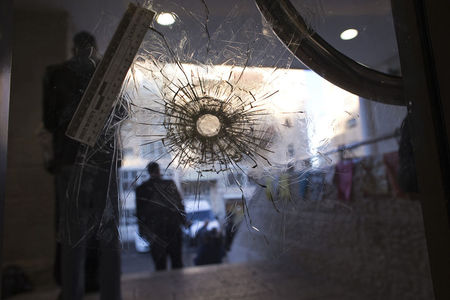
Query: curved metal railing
x=325, y=60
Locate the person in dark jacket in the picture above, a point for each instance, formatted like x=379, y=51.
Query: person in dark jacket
x=85, y=179
x=160, y=213
x=211, y=249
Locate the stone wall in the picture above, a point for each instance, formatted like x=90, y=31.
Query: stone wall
x=374, y=242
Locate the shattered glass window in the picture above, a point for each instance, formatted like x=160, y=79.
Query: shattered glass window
x=251, y=144
x=215, y=97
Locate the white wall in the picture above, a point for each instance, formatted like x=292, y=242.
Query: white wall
x=380, y=119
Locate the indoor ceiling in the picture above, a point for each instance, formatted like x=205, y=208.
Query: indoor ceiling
x=233, y=21
x=238, y=22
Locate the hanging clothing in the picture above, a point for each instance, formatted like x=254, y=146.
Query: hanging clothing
x=284, y=192
x=343, y=179
x=315, y=188
x=391, y=160
x=303, y=184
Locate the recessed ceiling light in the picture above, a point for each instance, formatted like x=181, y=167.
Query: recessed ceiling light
x=165, y=19
x=349, y=34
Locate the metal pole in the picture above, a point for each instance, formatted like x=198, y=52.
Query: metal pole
x=363, y=143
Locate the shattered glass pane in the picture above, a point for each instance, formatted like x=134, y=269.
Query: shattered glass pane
x=241, y=75
x=221, y=137
x=268, y=113
x=260, y=148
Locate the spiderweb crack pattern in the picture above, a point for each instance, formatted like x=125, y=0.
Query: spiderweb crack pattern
x=201, y=68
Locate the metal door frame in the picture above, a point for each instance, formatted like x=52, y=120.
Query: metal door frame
x=424, y=59
x=421, y=27
x=5, y=85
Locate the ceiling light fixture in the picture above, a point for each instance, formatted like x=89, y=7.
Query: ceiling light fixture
x=165, y=19
x=349, y=34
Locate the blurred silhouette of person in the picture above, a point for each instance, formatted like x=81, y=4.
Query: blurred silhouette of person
x=85, y=182
x=160, y=213
x=211, y=249
x=200, y=237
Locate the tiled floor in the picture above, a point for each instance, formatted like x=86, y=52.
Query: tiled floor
x=256, y=281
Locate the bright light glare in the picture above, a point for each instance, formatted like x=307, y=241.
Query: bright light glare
x=138, y=76
x=316, y=110
x=208, y=125
x=349, y=34
x=165, y=19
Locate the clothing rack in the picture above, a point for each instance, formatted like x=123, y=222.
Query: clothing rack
x=343, y=148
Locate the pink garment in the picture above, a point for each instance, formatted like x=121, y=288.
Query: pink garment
x=391, y=162
x=343, y=178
